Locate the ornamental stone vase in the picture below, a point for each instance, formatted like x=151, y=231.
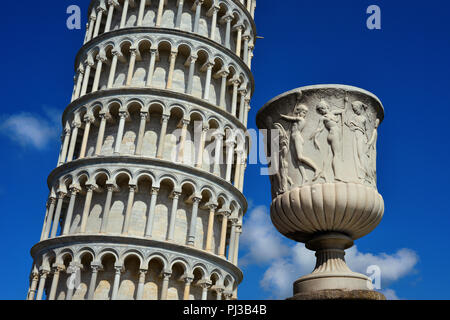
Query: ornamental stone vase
x=321, y=148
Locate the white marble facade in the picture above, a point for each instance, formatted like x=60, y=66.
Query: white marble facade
x=146, y=200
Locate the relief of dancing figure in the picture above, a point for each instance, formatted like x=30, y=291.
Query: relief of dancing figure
x=332, y=121
x=298, y=125
x=284, y=180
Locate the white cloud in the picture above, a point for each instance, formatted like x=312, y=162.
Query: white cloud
x=261, y=239
x=29, y=129
x=390, y=294
x=286, y=263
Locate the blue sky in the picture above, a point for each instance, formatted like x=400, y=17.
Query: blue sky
x=406, y=64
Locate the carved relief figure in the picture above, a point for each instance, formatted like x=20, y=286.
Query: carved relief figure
x=284, y=180
x=332, y=121
x=298, y=124
x=372, y=154
x=358, y=125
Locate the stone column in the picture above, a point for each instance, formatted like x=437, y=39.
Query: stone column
x=88, y=119
x=234, y=221
x=140, y=18
x=44, y=225
x=42, y=279
x=162, y=137
x=141, y=134
x=130, y=202
x=238, y=40
x=87, y=74
x=160, y=13
x=112, y=4
x=191, y=61
x=61, y=196
x=73, y=270
x=219, y=291
x=223, y=88
x=51, y=211
x=173, y=215
x=56, y=272
x=165, y=285
x=193, y=226
x=151, y=214
x=208, y=66
x=227, y=19
x=172, y=60
x=141, y=284
x=100, y=11
x=246, y=38
x=237, y=171
x=205, y=285
x=235, y=83
x=249, y=4
x=112, y=72
x=187, y=288
x=74, y=190
x=247, y=104
x=209, y=235
x=123, y=116
x=92, y=19
x=123, y=20
x=243, y=169
x=87, y=206
x=242, y=106
x=213, y=13
x=107, y=207
x=218, y=152
x=223, y=237
x=230, y=159
x=93, y=282
x=183, y=140
x=116, y=282
x=198, y=10
x=179, y=14
x=236, y=244
x=75, y=126
x=133, y=54
x=65, y=146
x=101, y=133
x=79, y=81
x=151, y=68
x=33, y=286
x=201, y=148
x=101, y=59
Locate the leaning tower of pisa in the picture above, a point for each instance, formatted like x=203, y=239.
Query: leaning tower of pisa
x=146, y=200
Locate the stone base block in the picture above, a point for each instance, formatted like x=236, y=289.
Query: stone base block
x=338, y=294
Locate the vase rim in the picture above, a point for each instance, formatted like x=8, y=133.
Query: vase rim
x=323, y=86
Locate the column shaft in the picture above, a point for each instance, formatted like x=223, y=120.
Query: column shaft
x=151, y=214
x=87, y=128
x=87, y=208
x=57, y=214
x=130, y=202
x=193, y=225
x=162, y=137
x=101, y=135
x=173, y=216
x=141, y=133
x=106, y=210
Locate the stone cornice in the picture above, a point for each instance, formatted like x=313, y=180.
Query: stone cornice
x=161, y=93
x=166, y=31
x=130, y=160
x=147, y=243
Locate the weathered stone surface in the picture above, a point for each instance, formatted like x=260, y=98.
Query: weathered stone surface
x=357, y=295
